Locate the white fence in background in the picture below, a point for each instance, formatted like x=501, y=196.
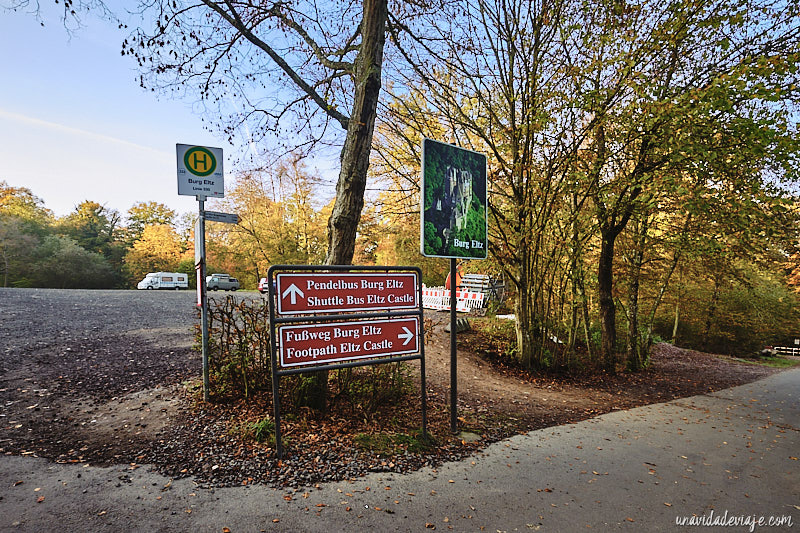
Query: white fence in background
x=438, y=298
x=787, y=350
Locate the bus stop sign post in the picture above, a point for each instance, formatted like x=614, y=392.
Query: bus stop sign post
x=202, y=296
x=201, y=174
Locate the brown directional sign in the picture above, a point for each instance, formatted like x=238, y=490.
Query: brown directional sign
x=313, y=292
x=311, y=344
x=326, y=317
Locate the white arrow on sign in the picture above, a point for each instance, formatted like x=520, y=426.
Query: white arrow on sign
x=408, y=335
x=293, y=291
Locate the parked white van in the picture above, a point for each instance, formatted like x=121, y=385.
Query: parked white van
x=164, y=280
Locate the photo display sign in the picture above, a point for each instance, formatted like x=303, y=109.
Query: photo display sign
x=200, y=171
x=453, y=221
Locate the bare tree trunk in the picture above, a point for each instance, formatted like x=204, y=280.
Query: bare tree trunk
x=636, y=348
x=675, y=323
x=651, y=319
x=578, y=295
x=523, y=311
x=343, y=223
x=712, y=311
x=587, y=326
x=584, y=304
x=5, y=270
x=605, y=286
x=676, y=256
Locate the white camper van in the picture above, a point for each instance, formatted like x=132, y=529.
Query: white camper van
x=164, y=280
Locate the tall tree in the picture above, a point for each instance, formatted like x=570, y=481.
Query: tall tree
x=143, y=214
x=599, y=111
x=158, y=249
x=324, y=58
x=24, y=221
x=492, y=76
x=656, y=81
x=17, y=243
x=280, y=222
x=22, y=203
x=92, y=226
x=63, y=264
x=327, y=59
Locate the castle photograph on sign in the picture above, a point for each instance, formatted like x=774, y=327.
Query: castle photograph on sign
x=454, y=202
x=456, y=199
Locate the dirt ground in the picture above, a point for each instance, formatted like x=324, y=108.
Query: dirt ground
x=107, y=395
x=674, y=373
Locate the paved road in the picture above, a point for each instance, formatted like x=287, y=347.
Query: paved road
x=732, y=454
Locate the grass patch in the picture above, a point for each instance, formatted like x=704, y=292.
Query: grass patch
x=261, y=431
x=773, y=362
x=393, y=443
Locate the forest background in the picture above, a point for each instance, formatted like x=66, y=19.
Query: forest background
x=642, y=177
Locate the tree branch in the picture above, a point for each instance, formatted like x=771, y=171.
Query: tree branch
x=234, y=19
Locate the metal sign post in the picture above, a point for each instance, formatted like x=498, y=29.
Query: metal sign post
x=453, y=223
x=453, y=350
x=200, y=267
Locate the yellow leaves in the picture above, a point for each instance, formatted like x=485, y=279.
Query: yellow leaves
x=158, y=249
x=279, y=220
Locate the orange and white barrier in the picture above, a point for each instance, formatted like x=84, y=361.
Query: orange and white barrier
x=438, y=298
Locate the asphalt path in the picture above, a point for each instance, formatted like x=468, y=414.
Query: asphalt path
x=730, y=456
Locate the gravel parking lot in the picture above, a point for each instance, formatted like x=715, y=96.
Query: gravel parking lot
x=36, y=318
x=72, y=362
x=99, y=377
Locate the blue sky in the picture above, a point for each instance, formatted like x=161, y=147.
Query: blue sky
x=75, y=125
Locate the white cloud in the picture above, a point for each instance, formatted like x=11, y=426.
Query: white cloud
x=39, y=123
